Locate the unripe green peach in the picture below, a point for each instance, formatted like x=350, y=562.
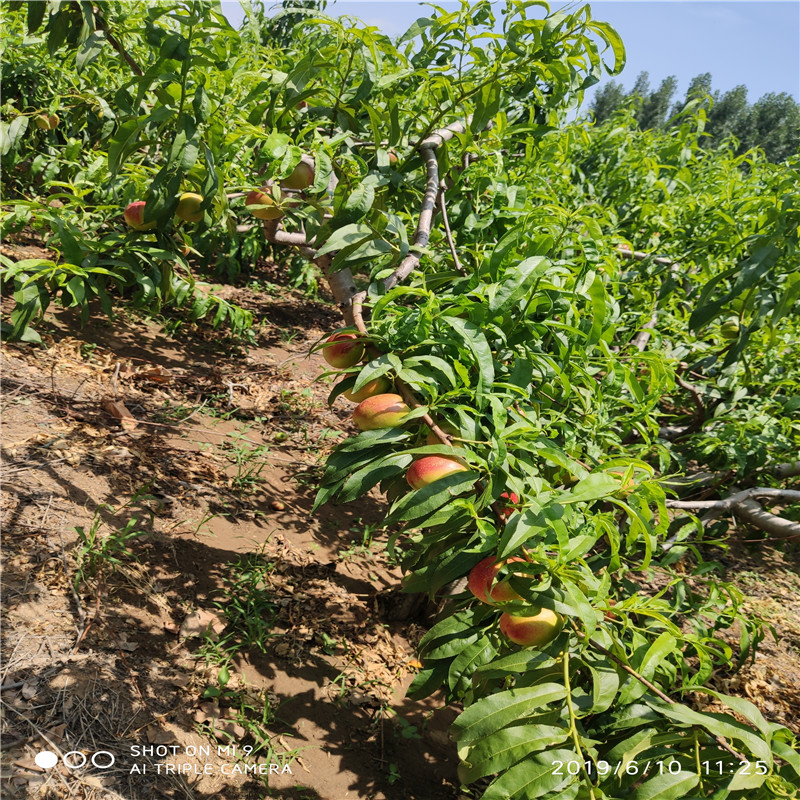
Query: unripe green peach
x=301, y=178
x=730, y=328
x=189, y=207
x=257, y=198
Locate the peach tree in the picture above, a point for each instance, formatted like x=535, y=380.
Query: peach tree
x=545, y=325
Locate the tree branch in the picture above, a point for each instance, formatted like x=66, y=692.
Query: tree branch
x=743, y=505
x=448, y=234
x=653, y=688
x=114, y=42
x=427, y=148
x=638, y=255
x=718, y=507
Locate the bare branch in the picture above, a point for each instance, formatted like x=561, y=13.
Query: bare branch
x=752, y=513
x=696, y=396
x=102, y=25
x=744, y=506
x=789, y=470
x=427, y=148
x=448, y=234
x=643, y=337
x=718, y=507
x=638, y=255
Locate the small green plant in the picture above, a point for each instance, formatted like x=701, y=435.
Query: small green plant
x=246, y=601
x=249, y=464
x=102, y=548
x=296, y=403
x=394, y=774
x=365, y=546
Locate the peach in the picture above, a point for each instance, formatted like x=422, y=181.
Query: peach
x=343, y=350
x=534, y=630
x=301, y=178
x=256, y=199
x=189, y=207
x=428, y=469
x=134, y=216
x=432, y=438
x=46, y=122
x=370, y=389
x=380, y=411
x=481, y=580
x=513, y=499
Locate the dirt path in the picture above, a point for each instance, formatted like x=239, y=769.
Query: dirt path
x=232, y=645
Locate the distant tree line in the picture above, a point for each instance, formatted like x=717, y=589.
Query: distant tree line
x=771, y=123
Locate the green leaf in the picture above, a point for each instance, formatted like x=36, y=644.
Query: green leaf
x=605, y=684
x=355, y=233
x=667, y=786
x=516, y=284
x=535, y=778
x=275, y=145
x=361, y=481
x=14, y=132
x=501, y=750
x=614, y=40
x=475, y=340
x=420, y=503
x=487, y=104
x=427, y=681
x=718, y=724
x=467, y=661
x=36, y=9
x=519, y=662
x=90, y=50
x=658, y=651
x=492, y=713
x=596, y=486
x=185, y=146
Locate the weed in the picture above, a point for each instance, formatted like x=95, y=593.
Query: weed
x=249, y=464
x=254, y=712
x=246, y=600
x=288, y=336
x=87, y=350
x=296, y=403
x=170, y=413
x=309, y=475
x=367, y=540
x=103, y=548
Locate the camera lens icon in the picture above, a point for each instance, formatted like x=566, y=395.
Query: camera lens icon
x=47, y=759
x=75, y=759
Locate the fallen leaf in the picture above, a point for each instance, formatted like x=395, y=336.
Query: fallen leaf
x=202, y=622
x=118, y=411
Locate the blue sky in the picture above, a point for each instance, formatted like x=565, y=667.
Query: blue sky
x=750, y=42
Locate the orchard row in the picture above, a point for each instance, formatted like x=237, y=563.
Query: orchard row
x=529, y=626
